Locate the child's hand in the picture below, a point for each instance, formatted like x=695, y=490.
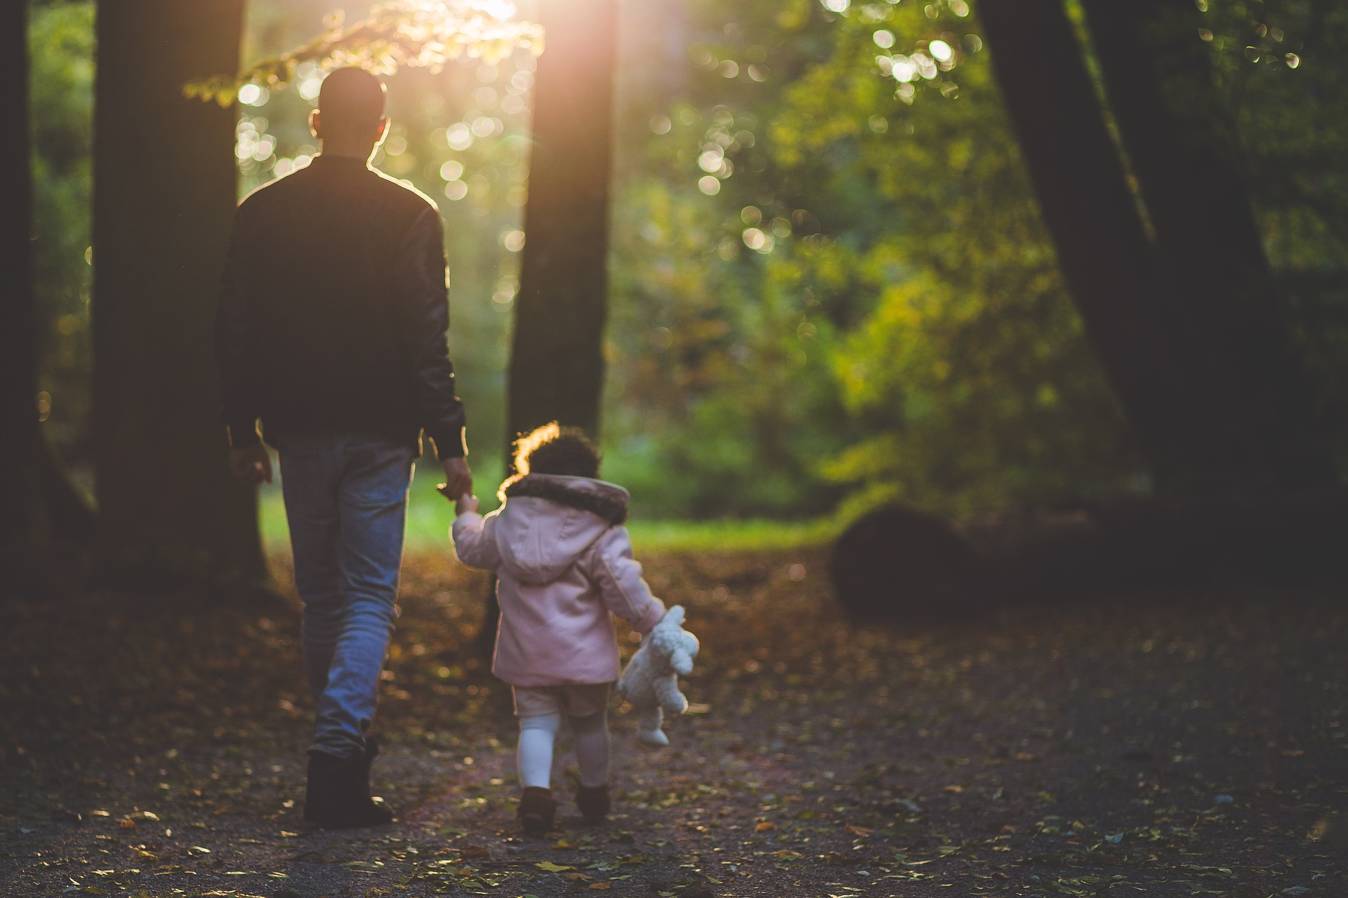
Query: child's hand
x=467, y=503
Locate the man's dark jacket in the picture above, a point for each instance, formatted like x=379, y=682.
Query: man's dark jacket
x=334, y=313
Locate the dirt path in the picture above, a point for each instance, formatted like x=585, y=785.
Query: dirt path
x=1178, y=745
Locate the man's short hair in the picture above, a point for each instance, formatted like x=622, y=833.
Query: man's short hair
x=351, y=100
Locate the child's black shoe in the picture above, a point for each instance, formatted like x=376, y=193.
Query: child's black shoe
x=593, y=802
x=537, y=810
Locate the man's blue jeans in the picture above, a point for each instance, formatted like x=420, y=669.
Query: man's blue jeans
x=346, y=502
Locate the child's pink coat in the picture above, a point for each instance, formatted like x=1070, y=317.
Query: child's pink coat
x=562, y=564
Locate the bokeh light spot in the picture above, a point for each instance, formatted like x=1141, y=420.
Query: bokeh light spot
x=459, y=136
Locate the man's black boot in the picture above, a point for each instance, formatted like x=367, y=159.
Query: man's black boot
x=338, y=793
x=371, y=752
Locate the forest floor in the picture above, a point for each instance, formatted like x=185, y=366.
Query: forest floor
x=1170, y=744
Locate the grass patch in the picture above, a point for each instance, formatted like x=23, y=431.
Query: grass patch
x=429, y=517
x=732, y=535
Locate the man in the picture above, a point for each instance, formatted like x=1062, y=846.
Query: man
x=332, y=333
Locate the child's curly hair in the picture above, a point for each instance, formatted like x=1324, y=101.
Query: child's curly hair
x=553, y=449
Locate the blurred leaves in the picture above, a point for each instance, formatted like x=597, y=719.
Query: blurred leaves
x=970, y=361
x=906, y=329
x=396, y=34
x=826, y=288
x=61, y=43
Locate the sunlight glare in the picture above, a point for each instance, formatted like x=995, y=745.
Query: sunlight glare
x=497, y=9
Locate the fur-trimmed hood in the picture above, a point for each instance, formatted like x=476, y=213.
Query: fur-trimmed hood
x=550, y=520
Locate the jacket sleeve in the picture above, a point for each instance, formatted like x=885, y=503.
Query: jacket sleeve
x=475, y=540
x=617, y=575
x=233, y=340
x=424, y=333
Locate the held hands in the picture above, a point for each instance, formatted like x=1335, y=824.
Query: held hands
x=458, y=478
x=458, y=486
x=251, y=464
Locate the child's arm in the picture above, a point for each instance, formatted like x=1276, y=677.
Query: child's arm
x=474, y=536
x=618, y=577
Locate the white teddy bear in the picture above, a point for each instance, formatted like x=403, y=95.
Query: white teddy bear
x=651, y=680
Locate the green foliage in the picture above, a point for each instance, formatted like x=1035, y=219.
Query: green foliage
x=903, y=232
x=721, y=401
x=1280, y=65
x=970, y=367
x=61, y=43
x=721, y=398
x=875, y=259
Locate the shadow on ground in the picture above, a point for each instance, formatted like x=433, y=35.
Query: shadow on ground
x=1177, y=744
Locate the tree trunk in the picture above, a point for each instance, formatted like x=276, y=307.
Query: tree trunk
x=164, y=195
x=20, y=498
x=1103, y=248
x=556, y=357
x=1231, y=321
x=66, y=512
x=38, y=505
x=556, y=362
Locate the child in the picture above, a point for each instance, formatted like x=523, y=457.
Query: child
x=563, y=562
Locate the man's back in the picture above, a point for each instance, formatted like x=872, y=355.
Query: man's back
x=332, y=332
x=336, y=286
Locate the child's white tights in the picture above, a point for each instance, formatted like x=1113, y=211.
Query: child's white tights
x=538, y=732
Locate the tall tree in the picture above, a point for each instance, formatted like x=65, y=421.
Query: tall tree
x=556, y=357
x=556, y=362
x=164, y=195
x=20, y=505
x=1234, y=326
x=39, y=504
x=1102, y=244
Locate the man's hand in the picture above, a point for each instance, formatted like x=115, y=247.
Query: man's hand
x=467, y=504
x=251, y=464
x=458, y=478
